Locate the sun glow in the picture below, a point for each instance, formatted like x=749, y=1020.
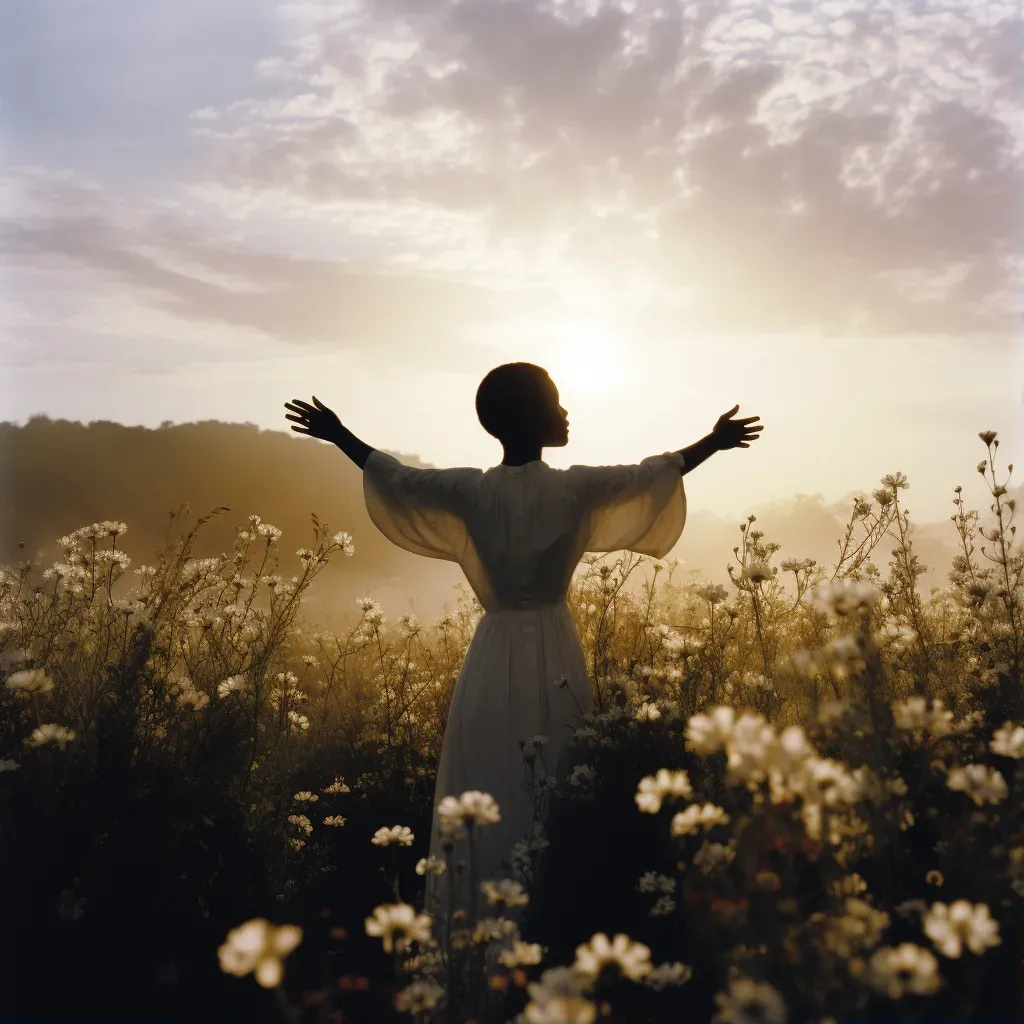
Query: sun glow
x=585, y=360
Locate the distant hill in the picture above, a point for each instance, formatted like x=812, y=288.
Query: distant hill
x=58, y=475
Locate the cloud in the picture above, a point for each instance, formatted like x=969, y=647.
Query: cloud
x=764, y=167
x=409, y=173
x=174, y=269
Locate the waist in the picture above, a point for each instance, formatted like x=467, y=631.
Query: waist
x=526, y=607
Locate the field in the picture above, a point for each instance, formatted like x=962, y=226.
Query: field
x=798, y=798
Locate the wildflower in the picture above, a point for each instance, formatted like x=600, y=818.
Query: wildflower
x=582, y=775
x=953, y=926
x=521, y=954
x=632, y=958
x=472, y=806
x=506, y=892
x=1008, y=741
x=647, y=712
x=30, y=680
x=196, y=699
x=895, y=481
x=430, y=866
x=664, y=906
x=652, y=881
x=697, y=817
x=400, y=834
x=652, y=789
x=337, y=786
x=50, y=734
x=896, y=970
x=296, y=844
x=713, y=855
x=844, y=597
x=297, y=721
x=398, y=924
x=422, y=995
x=233, y=684
x=981, y=783
x=758, y=571
x=7, y=765
x=489, y=929
x=334, y=820
x=557, y=999
x=849, y=885
x=300, y=821
x=934, y=878
x=988, y=436
x=662, y=975
x=344, y=541
x=259, y=947
x=912, y=715
x=747, y=1001
x=707, y=734
x=304, y=796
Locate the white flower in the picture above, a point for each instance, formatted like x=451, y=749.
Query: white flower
x=398, y=924
x=505, y=891
x=557, y=999
x=647, y=712
x=297, y=721
x=981, y=783
x=334, y=820
x=7, y=765
x=344, y=541
x=953, y=926
x=845, y=596
x=430, y=866
x=50, y=734
x=697, y=817
x=260, y=947
x=471, y=806
x=337, y=786
x=912, y=715
x=423, y=994
x=233, y=684
x=400, y=834
x=30, y=680
x=652, y=789
x=748, y=1001
x=1008, y=741
x=582, y=775
x=662, y=975
x=300, y=821
x=304, y=796
x=712, y=855
x=521, y=954
x=632, y=958
x=707, y=734
x=896, y=970
x=652, y=881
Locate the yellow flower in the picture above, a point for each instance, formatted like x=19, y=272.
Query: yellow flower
x=259, y=946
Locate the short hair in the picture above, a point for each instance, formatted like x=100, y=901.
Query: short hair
x=507, y=395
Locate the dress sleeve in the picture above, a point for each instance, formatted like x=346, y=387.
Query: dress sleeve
x=421, y=510
x=638, y=508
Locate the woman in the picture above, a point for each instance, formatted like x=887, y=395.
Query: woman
x=518, y=530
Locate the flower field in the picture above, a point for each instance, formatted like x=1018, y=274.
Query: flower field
x=797, y=799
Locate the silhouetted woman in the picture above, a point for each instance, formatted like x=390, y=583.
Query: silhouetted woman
x=519, y=530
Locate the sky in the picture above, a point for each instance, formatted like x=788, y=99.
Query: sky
x=811, y=210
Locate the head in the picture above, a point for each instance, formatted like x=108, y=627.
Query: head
x=518, y=404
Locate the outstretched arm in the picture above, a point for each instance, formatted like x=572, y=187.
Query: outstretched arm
x=317, y=420
x=727, y=433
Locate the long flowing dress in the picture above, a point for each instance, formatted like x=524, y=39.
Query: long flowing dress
x=518, y=533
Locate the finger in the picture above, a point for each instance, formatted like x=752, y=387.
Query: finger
x=749, y=419
x=296, y=419
x=742, y=445
x=320, y=405
x=303, y=405
x=301, y=430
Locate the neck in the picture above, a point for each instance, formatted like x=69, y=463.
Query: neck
x=519, y=455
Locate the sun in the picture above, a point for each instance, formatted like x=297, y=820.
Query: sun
x=585, y=360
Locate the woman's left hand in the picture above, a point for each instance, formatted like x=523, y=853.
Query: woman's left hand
x=730, y=433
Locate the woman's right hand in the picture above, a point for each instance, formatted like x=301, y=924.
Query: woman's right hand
x=316, y=420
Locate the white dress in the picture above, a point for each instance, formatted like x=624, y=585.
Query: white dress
x=519, y=532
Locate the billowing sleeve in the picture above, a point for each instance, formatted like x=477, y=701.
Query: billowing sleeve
x=639, y=508
x=421, y=510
